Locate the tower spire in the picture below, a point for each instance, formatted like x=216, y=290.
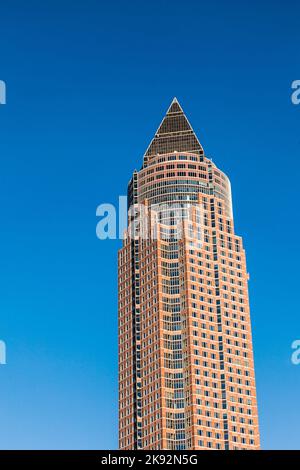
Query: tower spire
x=175, y=133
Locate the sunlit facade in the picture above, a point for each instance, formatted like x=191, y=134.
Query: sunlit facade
x=186, y=371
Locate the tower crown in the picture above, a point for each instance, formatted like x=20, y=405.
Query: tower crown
x=175, y=133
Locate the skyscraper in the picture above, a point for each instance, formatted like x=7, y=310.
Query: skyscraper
x=186, y=371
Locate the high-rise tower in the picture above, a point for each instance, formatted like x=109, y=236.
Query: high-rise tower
x=186, y=371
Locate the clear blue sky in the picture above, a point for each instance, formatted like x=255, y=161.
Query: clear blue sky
x=87, y=85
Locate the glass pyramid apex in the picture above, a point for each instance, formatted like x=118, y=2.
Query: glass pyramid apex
x=174, y=134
